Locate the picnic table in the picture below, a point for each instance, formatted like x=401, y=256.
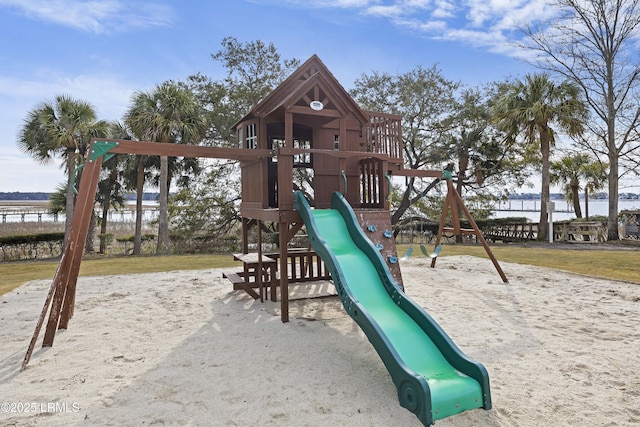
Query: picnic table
x=258, y=272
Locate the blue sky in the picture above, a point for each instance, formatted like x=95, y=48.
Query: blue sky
x=102, y=51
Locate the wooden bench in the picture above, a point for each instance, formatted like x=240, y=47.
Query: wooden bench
x=580, y=231
x=239, y=283
x=304, y=265
x=631, y=231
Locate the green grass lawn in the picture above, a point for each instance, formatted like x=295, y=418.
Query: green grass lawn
x=16, y=273
x=608, y=264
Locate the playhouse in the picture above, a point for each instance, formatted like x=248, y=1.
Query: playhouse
x=311, y=122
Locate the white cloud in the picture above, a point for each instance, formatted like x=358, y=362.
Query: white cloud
x=97, y=16
x=110, y=98
x=385, y=11
x=491, y=24
x=32, y=175
x=444, y=9
x=316, y=4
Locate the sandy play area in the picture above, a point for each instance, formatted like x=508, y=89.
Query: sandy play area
x=182, y=348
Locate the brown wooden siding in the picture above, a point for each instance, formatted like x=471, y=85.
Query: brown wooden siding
x=254, y=184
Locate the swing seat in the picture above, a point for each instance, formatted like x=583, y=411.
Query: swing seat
x=407, y=254
x=435, y=253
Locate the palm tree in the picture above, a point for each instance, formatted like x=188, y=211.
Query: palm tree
x=574, y=168
x=61, y=128
x=596, y=177
x=109, y=194
x=134, y=175
x=134, y=168
x=530, y=108
x=168, y=114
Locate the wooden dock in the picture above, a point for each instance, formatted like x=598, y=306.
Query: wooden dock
x=41, y=214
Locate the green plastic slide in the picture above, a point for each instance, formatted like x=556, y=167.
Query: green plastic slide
x=433, y=377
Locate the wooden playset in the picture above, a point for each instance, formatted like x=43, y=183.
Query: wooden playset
x=309, y=121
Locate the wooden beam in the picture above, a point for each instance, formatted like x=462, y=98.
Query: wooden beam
x=419, y=173
x=293, y=230
x=335, y=153
x=285, y=168
x=308, y=111
x=183, y=150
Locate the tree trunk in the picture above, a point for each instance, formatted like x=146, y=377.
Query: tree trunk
x=613, y=154
x=463, y=165
x=91, y=234
x=586, y=203
x=103, y=226
x=70, y=200
x=113, y=177
x=137, y=240
x=575, y=197
x=163, y=214
x=612, y=220
x=544, y=150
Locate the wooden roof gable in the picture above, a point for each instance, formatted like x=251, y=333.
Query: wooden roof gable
x=312, y=81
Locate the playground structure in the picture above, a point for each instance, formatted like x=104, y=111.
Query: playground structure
x=311, y=122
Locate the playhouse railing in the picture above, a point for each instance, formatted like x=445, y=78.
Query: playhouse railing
x=372, y=182
x=383, y=134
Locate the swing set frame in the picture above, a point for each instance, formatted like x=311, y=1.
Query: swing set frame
x=454, y=206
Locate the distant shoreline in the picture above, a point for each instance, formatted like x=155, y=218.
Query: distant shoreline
x=31, y=203
x=19, y=196
x=23, y=197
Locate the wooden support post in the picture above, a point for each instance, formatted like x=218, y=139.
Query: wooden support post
x=245, y=235
x=84, y=209
x=443, y=219
x=260, y=272
x=65, y=291
x=283, y=227
x=61, y=297
x=342, y=163
x=385, y=186
x=285, y=168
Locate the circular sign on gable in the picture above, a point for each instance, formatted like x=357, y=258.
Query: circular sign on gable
x=316, y=105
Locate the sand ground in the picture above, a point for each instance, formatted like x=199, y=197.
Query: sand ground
x=183, y=348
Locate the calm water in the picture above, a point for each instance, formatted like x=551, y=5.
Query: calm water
x=9, y=213
x=519, y=208
x=596, y=207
